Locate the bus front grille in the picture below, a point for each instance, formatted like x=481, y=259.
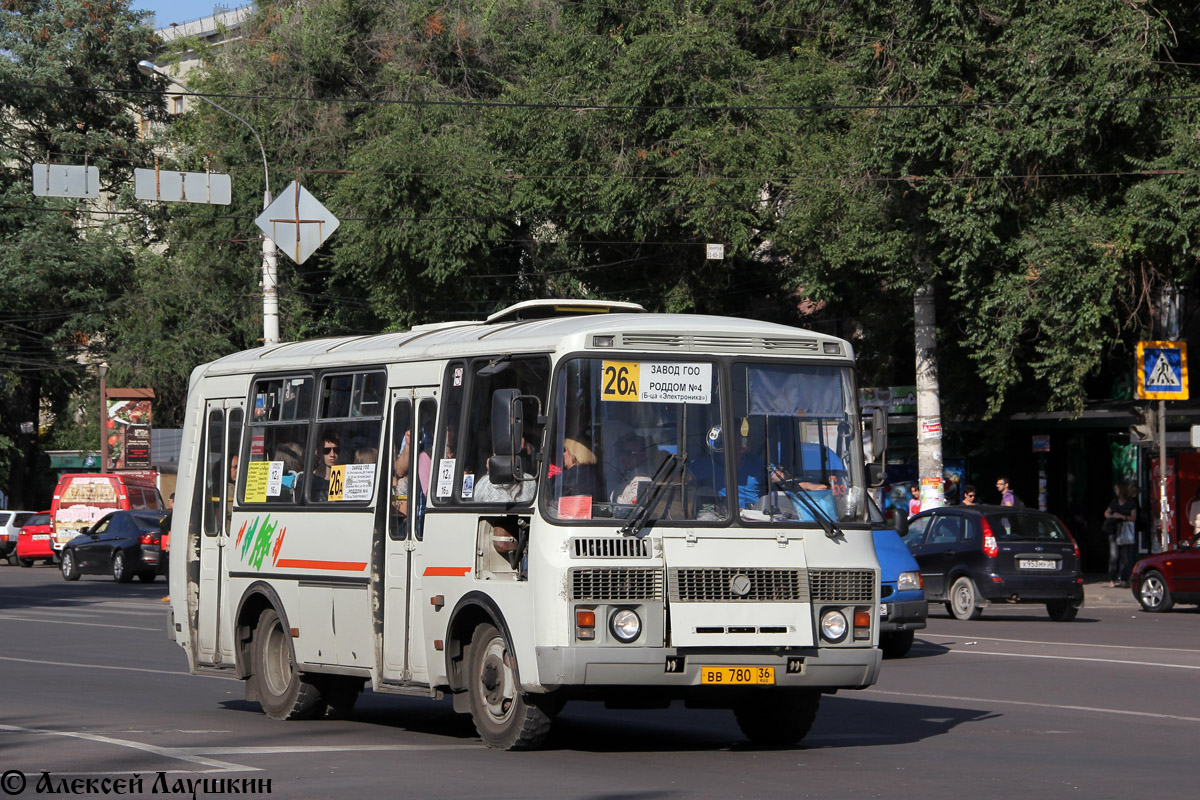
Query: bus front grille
x=617, y=583
x=746, y=585
x=842, y=585
x=609, y=547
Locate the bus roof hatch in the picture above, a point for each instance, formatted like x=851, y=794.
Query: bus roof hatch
x=545, y=309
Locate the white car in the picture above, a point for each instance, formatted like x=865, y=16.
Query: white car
x=11, y=523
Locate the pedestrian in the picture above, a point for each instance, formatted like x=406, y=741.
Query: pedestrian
x=1007, y=496
x=1121, y=510
x=968, y=494
x=1193, y=512
x=914, y=501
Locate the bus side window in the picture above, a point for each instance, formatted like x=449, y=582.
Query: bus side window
x=345, y=446
x=278, y=429
x=530, y=376
x=426, y=417
x=213, y=482
x=402, y=477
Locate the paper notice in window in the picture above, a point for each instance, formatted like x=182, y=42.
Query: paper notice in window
x=258, y=474
x=575, y=507
x=445, y=477
x=360, y=478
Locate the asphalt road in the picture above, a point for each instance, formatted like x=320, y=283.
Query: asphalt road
x=1010, y=706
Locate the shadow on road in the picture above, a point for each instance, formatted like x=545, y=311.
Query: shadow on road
x=849, y=721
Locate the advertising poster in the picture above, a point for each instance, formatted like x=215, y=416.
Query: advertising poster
x=128, y=429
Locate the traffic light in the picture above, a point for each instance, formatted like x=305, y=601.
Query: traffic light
x=1145, y=430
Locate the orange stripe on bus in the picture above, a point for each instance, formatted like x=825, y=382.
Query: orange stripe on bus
x=446, y=572
x=300, y=563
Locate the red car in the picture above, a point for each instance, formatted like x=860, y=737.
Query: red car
x=34, y=540
x=1164, y=579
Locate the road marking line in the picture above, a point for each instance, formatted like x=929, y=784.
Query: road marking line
x=166, y=752
x=42, y=621
x=1076, y=658
x=251, y=750
x=123, y=669
x=1082, y=644
x=978, y=700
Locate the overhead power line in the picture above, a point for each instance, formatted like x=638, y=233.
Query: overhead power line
x=584, y=105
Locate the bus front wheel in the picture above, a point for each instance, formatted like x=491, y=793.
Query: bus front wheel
x=283, y=691
x=775, y=719
x=504, y=716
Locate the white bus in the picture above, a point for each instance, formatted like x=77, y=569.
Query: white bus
x=529, y=510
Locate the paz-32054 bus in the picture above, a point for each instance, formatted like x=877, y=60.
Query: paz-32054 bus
x=569, y=500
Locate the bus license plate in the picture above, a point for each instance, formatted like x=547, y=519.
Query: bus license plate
x=737, y=676
x=1029, y=563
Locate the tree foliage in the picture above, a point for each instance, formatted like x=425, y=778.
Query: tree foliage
x=1025, y=160
x=67, y=80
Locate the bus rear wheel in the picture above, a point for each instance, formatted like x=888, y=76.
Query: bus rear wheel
x=283, y=691
x=777, y=719
x=504, y=716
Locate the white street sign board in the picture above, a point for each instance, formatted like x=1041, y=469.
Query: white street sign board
x=66, y=180
x=297, y=222
x=182, y=187
x=715, y=252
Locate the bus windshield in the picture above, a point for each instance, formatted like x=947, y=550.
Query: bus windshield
x=791, y=453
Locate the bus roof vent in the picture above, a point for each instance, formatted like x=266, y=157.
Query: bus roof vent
x=545, y=309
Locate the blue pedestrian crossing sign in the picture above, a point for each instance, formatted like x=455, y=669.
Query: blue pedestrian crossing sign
x=1162, y=371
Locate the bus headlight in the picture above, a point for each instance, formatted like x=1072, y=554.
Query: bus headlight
x=833, y=625
x=908, y=581
x=625, y=624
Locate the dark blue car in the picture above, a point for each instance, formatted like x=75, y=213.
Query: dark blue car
x=902, y=605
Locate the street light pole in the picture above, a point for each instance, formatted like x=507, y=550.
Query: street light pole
x=270, y=260
x=102, y=368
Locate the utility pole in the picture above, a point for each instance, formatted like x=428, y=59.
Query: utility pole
x=929, y=407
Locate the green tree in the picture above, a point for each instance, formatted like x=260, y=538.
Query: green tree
x=67, y=76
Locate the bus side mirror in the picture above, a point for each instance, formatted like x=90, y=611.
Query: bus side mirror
x=508, y=422
x=876, y=474
x=502, y=470
x=879, y=432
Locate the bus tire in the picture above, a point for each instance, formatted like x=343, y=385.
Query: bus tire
x=283, y=691
x=504, y=716
x=777, y=719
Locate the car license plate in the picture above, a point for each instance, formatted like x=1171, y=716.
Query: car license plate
x=737, y=676
x=1040, y=563
x=41, y=537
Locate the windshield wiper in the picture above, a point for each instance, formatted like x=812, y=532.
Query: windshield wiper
x=647, y=498
x=790, y=485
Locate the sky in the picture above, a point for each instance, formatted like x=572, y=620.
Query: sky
x=169, y=11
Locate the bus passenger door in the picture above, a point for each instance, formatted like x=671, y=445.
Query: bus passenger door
x=409, y=459
x=216, y=478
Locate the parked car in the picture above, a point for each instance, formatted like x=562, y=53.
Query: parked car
x=81, y=499
x=902, y=604
x=971, y=556
x=123, y=543
x=1161, y=580
x=10, y=529
x=34, y=540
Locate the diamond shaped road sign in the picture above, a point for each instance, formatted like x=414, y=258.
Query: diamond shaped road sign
x=297, y=222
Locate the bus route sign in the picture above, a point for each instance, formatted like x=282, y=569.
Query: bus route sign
x=1162, y=371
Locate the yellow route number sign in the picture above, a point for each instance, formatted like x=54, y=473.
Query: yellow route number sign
x=619, y=380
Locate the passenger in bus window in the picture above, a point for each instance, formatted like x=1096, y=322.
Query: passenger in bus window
x=230, y=489
x=366, y=455
x=401, y=465
x=632, y=468
x=579, y=470
x=328, y=453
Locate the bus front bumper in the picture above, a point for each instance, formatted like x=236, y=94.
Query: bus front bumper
x=826, y=668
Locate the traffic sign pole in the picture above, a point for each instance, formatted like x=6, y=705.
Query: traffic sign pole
x=1163, y=515
x=1162, y=375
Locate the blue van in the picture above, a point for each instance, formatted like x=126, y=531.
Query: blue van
x=902, y=605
